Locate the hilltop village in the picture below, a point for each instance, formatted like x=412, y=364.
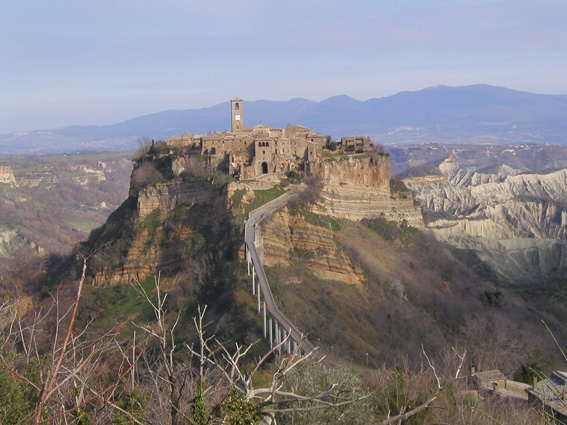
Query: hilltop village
x=248, y=152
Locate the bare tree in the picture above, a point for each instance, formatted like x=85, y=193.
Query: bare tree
x=166, y=370
x=64, y=385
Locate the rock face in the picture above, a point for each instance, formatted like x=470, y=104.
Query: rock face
x=171, y=194
x=177, y=215
x=285, y=236
x=7, y=175
x=515, y=222
x=174, y=221
x=357, y=187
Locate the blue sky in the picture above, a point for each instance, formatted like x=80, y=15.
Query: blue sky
x=104, y=61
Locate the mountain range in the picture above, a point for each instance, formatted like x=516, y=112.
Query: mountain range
x=468, y=114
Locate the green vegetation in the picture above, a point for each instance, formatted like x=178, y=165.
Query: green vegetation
x=321, y=220
x=398, y=188
x=293, y=177
x=263, y=197
x=391, y=231
x=239, y=410
x=134, y=404
x=116, y=305
x=16, y=400
x=152, y=223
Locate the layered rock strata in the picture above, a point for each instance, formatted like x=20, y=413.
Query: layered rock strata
x=357, y=187
x=516, y=223
x=285, y=236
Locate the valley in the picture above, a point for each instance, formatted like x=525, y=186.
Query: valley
x=352, y=262
x=49, y=203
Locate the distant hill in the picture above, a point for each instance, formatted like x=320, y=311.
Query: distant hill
x=470, y=114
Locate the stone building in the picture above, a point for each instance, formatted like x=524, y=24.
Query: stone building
x=356, y=144
x=249, y=152
x=246, y=152
x=551, y=395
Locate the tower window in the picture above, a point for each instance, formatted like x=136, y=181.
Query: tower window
x=237, y=106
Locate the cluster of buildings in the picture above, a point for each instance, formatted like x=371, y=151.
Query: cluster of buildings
x=548, y=397
x=247, y=152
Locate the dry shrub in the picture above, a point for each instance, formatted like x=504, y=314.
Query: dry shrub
x=145, y=175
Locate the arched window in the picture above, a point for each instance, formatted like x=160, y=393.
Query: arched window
x=237, y=106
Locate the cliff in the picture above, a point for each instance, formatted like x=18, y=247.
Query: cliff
x=285, y=237
x=178, y=210
x=168, y=227
x=515, y=222
x=358, y=186
x=7, y=175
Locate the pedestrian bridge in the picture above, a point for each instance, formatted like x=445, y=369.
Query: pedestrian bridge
x=277, y=327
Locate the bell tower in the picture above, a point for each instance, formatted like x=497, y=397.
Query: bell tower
x=236, y=121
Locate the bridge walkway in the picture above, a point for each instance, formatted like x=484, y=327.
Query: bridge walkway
x=277, y=327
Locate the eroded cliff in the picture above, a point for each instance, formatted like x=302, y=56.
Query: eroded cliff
x=285, y=237
x=515, y=222
x=357, y=187
x=178, y=211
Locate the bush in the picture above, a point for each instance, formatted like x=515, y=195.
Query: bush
x=398, y=187
x=145, y=175
x=293, y=176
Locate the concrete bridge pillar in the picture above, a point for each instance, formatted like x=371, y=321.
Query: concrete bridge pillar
x=258, y=292
x=285, y=337
x=270, y=326
x=253, y=280
x=264, y=308
x=248, y=259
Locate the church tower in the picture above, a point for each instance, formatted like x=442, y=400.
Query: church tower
x=236, y=121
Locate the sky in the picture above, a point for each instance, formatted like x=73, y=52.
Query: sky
x=80, y=62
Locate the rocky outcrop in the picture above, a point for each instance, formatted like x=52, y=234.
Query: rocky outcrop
x=171, y=219
x=285, y=237
x=168, y=195
x=7, y=175
x=357, y=187
x=359, y=171
x=516, y=223
x=9, y=241
x=171, y=213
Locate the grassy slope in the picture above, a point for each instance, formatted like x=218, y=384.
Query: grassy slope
x=415, y=293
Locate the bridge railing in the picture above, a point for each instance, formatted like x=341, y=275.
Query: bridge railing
x=277, y=327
